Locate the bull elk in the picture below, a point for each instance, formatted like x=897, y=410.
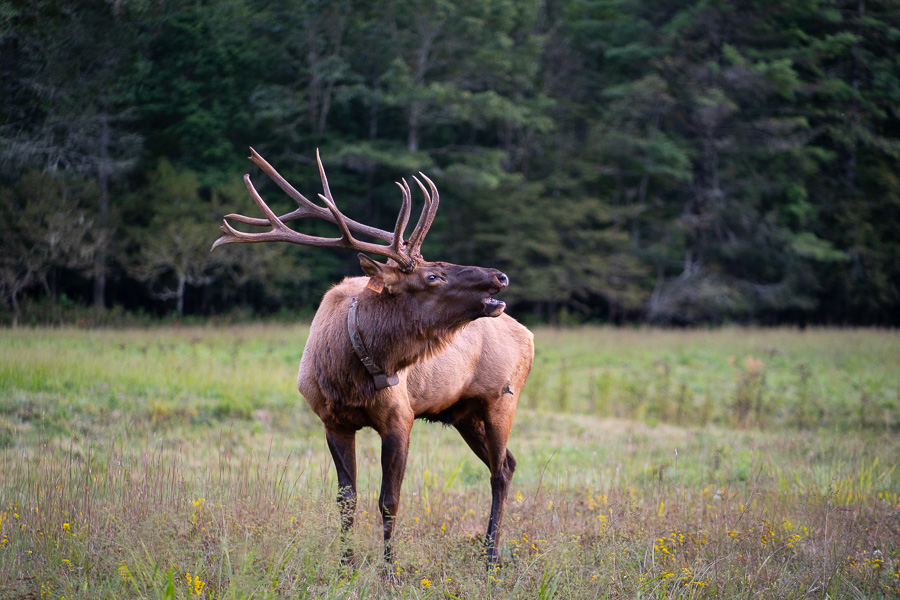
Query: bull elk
x=413, y=340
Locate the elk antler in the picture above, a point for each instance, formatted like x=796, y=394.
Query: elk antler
x=406, y=254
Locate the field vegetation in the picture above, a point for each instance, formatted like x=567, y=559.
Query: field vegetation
x=180, y=462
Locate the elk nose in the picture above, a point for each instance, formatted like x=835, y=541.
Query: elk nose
x=502, y=279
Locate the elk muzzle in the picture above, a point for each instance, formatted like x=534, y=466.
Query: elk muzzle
x=492, y=306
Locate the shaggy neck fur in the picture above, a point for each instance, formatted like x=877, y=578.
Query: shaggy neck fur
x=397, y=331
x=397, y=336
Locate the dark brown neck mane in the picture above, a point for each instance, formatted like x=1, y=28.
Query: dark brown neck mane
x=397, y=333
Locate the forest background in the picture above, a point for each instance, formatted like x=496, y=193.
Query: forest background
x=672, y=162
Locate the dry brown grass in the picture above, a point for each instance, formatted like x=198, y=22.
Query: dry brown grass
x=123, y=492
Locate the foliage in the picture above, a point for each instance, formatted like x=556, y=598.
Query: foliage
x=48, y=229
x=180, y=462
x=676, y=162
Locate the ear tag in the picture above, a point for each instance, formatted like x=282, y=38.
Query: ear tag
x=375, y=284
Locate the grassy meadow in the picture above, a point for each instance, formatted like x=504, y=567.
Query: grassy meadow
x=181, y=462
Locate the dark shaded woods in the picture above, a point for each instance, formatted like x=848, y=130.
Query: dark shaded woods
x=674, y=162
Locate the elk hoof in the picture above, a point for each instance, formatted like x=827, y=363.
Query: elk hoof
x=491, y=555
x=348, y=559
x=391, y=577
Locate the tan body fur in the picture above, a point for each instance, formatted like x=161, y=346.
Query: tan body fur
x=468, y=376
x=475, y=364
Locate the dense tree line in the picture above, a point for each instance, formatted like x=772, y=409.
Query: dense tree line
x=671, y=161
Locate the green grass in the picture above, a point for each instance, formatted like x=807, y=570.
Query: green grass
x=816, y=378
x=181, y=462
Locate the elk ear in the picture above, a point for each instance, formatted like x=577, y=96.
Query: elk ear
x=381, y=274
x=370, y=267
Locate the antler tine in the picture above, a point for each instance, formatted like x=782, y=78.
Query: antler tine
x=324, y=179
x=426, y=218
x=402, y=217
x=279, y=232
x=423, y=216
x=339, y=218
x=306, y=208
x=282, y=233
x=348, y=241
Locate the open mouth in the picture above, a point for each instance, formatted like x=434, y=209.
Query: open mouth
x=493, y=307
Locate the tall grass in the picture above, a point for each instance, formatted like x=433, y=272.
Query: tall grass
x=181, y=463
x=845, y=379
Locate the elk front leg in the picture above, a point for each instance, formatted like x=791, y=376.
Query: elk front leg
x=394, y=450
x=342, y=445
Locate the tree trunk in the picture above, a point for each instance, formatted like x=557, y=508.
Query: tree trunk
x=102, y=214
x=854, y=110
x=417, y=108
x=14, y=298
x=179, y=297
x=413, y=139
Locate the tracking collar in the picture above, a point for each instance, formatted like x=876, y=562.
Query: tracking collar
x=382, y=379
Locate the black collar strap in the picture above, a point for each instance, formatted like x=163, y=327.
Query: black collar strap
x=382, y=379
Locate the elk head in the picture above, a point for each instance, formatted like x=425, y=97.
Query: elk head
x=451, y=294
x=442, y=287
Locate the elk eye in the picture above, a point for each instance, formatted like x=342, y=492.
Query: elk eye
x=432, y=278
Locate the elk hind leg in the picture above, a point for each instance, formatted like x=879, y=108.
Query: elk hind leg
x=489, y=444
